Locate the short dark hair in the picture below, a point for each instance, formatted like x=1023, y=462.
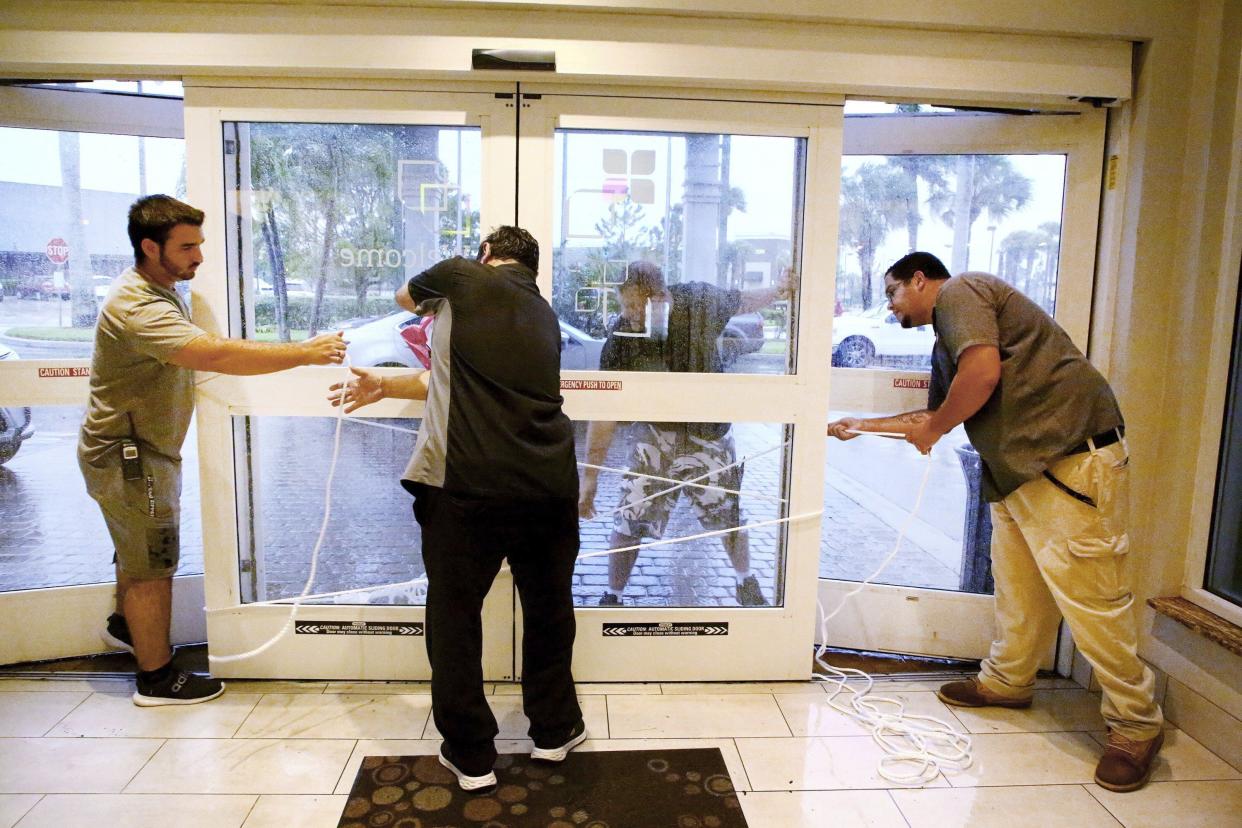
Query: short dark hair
x=153, y=217
x=509, y=242
x=645, y=276
x=903, y=269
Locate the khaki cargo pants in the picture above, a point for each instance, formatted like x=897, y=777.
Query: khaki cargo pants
x=1054, y=556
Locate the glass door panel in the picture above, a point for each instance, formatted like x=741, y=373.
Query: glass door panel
x=999, y=214
x=331, y=201
x=665, y=481
x=721, y=210
x=371, y=550
x=62, y=241
x=1000, y=194
x=698, y=208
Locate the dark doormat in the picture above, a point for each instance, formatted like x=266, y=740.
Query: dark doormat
x=606, y=789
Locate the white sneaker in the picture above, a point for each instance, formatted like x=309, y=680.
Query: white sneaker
x=557, y=754
x=468, y=783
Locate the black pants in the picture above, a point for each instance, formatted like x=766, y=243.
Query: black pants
x=465, y=540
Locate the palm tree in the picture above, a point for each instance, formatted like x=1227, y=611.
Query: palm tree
x=1028, y=261
x=872, y=204
x=928, y=168
x=982, y=182
x=1051, y=231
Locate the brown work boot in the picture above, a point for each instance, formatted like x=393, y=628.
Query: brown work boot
x=970, y=693
x=1127, y=764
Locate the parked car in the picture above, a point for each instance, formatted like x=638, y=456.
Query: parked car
x=402, y=339
x=293, y=287
x=14, y=422
x=743, y=335
x=862, y=339
x=41, y=287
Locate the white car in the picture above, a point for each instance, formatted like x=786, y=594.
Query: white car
x=293, y=287
x=865, y=338
x=401, y=339
x=15, y=422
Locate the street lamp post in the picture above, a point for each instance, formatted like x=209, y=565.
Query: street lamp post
x=991, y=248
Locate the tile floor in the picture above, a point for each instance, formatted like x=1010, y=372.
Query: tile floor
x=76, y=752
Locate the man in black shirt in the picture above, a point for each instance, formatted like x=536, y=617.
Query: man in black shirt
x=697, y=314
x=493, y=476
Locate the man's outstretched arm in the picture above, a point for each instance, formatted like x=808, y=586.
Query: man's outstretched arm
x=368, y=387
x=245, y=358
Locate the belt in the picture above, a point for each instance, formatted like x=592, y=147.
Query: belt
x=1104, y=438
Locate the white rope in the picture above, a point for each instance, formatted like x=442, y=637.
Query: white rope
x=925, y=745
x=323, y=531
x=396, y=588
x=917, y=748
x=418, y=586
x=627, y=473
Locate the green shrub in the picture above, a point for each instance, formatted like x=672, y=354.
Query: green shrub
x=335, y=310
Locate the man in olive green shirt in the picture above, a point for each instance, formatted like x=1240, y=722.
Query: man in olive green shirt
x=1055, y=470
x=141, y=401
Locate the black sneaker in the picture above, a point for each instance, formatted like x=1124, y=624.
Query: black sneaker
x=749, y=594
x=116, y=634
x=473, y=784
x=558, y=753
x=179, y=687
x=609, y=600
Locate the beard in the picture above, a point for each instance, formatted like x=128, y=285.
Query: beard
x=180, y=274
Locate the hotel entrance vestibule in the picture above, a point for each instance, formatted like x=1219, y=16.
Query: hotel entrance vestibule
x=321, y=201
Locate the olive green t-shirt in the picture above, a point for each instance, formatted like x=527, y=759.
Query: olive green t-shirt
x=135, y=391
x=1049, y=398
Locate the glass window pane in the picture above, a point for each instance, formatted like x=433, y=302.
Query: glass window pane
x=335, y=217
x=63, y=214
x=871, y=485
x=372, y=539
x=716, y=218
x=1224, y=566
x=663, y=481
x=53, y=533
x=996, y=213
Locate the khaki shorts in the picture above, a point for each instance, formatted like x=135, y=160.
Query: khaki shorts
x=144, y=515
x=676, y=454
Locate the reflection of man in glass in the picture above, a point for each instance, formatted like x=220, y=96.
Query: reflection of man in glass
x=672, y=329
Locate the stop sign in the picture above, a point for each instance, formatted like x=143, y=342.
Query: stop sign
x=57, y=251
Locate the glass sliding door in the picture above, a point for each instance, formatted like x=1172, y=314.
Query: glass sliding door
x=327, y=204
x=66, y=196
x=1014, y=196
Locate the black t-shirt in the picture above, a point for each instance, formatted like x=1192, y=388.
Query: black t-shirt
x=493, y=425
x=697, y=316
